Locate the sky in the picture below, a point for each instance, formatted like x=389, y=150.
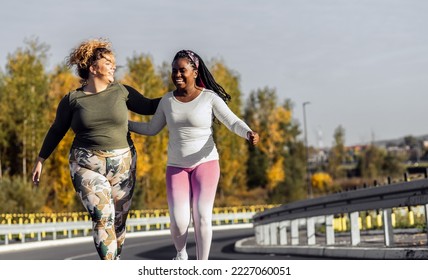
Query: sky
x=361, y=64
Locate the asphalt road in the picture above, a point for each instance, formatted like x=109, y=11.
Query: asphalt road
x=157, y=247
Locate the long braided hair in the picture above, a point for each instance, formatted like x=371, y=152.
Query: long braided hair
x=205, y=78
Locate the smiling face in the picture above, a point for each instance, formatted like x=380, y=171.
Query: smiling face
x=183, y=75
x=104, y=68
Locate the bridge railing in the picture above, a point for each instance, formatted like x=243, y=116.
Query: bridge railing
x=281, y=225
x=51, y=226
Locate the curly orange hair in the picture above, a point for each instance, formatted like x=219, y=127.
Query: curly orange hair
x=86, y=54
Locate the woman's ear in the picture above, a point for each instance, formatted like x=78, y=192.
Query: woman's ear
x=92, y=70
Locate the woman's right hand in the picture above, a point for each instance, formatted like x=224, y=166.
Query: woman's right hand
x=37, y=170
x=253, y=137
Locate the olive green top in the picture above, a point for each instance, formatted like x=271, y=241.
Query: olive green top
x=99, y=120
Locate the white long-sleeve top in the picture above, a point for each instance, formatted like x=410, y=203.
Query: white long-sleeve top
x=190, y=127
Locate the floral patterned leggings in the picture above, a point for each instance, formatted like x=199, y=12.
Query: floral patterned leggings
x=104, y=181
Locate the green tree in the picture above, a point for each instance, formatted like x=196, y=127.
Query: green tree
x=370, y=162
x=393, y=165
x=411, y=141
x=165, y=73
x=24, y=100
x=19, y=196
x=337, y=154
x=294, y=187
x=258, y=162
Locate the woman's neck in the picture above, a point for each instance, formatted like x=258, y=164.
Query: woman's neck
x=94, y=86
x=187, y=91
x=186, y=95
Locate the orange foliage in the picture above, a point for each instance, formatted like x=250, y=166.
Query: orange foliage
x=321, y=181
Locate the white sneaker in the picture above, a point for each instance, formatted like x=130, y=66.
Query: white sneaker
x=181, y=257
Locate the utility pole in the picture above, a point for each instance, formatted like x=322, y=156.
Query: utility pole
x=308, y=176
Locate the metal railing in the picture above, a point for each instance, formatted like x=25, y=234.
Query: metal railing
x=33, y=227
x=272, y=226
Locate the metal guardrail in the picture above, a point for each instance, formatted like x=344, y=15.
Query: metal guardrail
x=271, y=226
x=43, y=231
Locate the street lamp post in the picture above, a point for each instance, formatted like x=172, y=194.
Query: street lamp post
x=308, y=179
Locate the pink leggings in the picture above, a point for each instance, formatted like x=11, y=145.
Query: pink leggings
x=192, y=188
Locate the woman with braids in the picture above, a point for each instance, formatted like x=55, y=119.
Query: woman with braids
x=102, y=157
x=193, y=171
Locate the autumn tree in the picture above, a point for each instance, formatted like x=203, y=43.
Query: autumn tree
x=151, y=150
x=56, y=175
x=294, y=186
x=3, y=133
x=278, y=135
x=269, y=120
x=232, y=148
x=321, y=182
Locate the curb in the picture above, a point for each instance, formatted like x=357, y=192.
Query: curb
x=375, y=253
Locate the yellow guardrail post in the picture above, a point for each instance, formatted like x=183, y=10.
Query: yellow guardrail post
x=235, y=211
x=43, y=222
x=337, y=224
x=21, y=221
x=411, y=216
x=64, y=220
x=75, y=216
x=147, y=223
x=217, y=221
x=9, y=222
x=226, y=221
x=31, y=216
x=368, y=221
x=157, y=216
x=343, y=221
x=54, y=221
x=138, y=215
x=360, y=222
x=379, y=219
x=393, y=218
x=85, y=231
x=245, y=220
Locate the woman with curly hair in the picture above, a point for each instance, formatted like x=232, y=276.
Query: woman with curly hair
x=193, y=170
x=102, y=158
